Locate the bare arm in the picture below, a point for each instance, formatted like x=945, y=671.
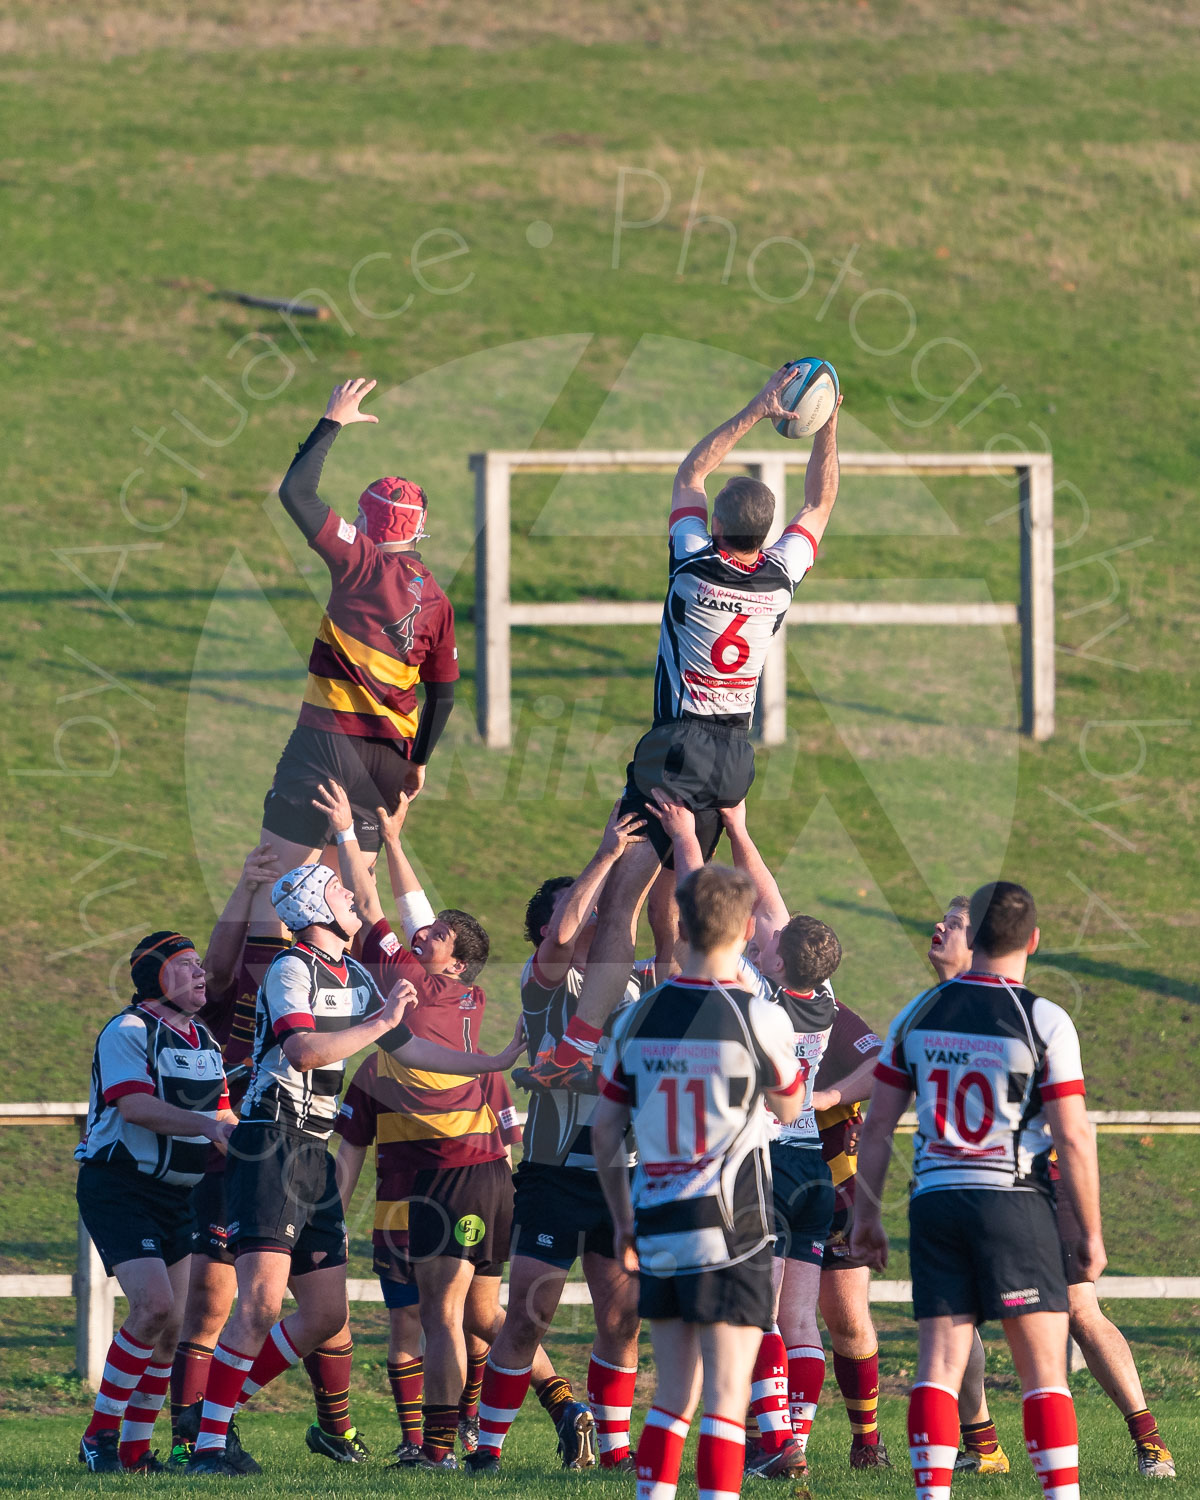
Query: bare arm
x=224, y=949
x=679, y=822
x=348, y=1164
x=331, y=800
x=1077, y=1162
x=155, y=1114
x=610, y=1121
x=869, y=1242
x=770, y=910
x=711, y=451
x=786, y=1107
x=419, y=1053
x=852, y=1089
x=306, y=1050
x=555, y=950
x=820, y=481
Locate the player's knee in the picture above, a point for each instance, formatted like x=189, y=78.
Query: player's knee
x=153, y=1313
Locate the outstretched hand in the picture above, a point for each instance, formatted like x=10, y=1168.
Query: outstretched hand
x=331, y=800
x=768, y=403
x=621, y=830
x=344, y=402
x=676, y=817
x=260, y=867
x=515, y=1049
x=391, y=823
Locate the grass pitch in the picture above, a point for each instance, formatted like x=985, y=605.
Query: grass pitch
x=999, y=209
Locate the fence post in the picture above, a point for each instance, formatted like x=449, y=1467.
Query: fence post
x=771, y=709
x=94, y=1299
x=1037, y=596
x=493, y=667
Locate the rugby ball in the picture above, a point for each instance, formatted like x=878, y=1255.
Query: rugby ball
x=810, y=395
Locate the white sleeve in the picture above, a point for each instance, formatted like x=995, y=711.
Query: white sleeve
x=1062, y=1068
x=777, y=1038
x=750, y=979
x=287, y=991
x=415, y=911
x=689, y=534
x=795, y=552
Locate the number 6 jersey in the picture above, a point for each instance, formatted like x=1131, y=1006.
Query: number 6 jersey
x=982, y=1054
x=692, y=1061
x=719, y=617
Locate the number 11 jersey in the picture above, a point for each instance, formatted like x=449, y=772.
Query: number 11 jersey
x=982, y=1055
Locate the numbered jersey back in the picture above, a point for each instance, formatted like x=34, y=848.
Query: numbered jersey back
x=982, y=1055
x=719, y=618
x=692, y=1061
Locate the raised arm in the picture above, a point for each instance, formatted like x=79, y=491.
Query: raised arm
x=770, y=909
x=298, y=490
x=555, y=950
x=412, y=905
x=820, y=482
x=331, y=799
x=679, y=822
x=687, y=495
x=228, y=937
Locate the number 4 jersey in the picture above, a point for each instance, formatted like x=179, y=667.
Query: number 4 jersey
x=719, y=618
x=982, y=1055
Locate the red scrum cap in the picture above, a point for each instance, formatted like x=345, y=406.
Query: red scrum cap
x=392, y=510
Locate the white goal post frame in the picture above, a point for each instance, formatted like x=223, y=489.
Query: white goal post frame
x=496, y=615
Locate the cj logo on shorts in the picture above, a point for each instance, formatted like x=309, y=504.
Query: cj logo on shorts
x=469, y=1230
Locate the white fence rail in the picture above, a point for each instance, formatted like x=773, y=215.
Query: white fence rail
x=95, y=1293
x=496, y=615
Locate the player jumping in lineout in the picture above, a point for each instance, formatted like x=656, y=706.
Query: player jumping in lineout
x=725, y=600
x=387, y=626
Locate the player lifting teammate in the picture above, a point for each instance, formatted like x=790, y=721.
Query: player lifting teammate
x=387, y=626
x=317, y=1007
x=725, y=600
x=691, y=1065
x=560, y=1213
x=998, y=1082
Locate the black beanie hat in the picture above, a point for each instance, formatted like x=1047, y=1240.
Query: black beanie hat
x=147, y=960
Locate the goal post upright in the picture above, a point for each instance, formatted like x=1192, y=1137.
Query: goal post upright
x=496, y=615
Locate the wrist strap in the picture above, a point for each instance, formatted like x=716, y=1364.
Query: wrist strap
x=346, y=836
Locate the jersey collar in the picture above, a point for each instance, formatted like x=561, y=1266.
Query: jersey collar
x=191, y=1035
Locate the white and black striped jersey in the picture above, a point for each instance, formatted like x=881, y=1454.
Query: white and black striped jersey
x=811, y=1016
x=982, y=1054
x=304, y=991
x=718, y=619
x=176, y=1061
x=692, y=1061
x=558, y=1130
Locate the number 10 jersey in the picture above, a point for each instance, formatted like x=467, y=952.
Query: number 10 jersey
x=982, y=1055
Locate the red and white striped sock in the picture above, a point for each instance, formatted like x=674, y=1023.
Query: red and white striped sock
x=499, y=1402
x=142, y=1411
x=610, y=1391
x=720, y=1458
x=659, y=1454
x=226, y=1376
x=932, y=1438
x=277, y=1354
x=769, y=1393
x=124, y=1367
x=1052, y=1441
x=805, y=1377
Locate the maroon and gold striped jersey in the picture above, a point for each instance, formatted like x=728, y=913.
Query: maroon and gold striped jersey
x=387, y=626
x=443, y=1119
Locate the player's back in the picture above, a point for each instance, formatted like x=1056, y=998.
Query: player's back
x=982, y=1054
x=692, y=1060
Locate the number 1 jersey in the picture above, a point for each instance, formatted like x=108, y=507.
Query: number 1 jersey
x=718, y=620
x=982, y=1054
